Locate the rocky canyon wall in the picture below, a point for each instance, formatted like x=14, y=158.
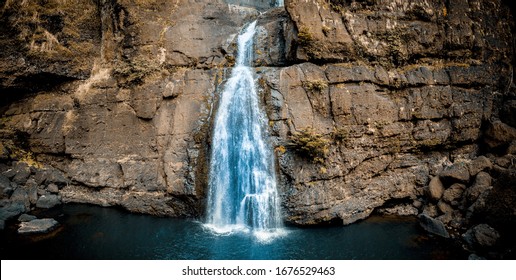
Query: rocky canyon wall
x=111, y=102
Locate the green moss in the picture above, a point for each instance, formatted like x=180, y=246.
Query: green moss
x=315, y=85
x=304, y=37
x=311, y=145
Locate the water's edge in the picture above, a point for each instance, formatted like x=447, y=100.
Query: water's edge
x=94, y=232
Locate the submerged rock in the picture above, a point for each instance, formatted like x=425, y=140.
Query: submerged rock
x=38, y=226
x=433, y=225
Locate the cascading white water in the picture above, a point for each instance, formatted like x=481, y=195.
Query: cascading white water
x=242, y=182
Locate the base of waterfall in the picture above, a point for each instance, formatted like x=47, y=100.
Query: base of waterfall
x=262, y=236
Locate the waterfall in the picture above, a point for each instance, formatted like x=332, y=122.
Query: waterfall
x=242, y=182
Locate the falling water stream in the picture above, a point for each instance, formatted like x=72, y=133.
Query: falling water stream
x=243, y=194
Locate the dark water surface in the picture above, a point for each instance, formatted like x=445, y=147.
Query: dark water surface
x=91, y=232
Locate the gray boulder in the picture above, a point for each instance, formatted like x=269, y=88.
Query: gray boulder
x=12, y=210
x=48, y=201
x=20, y=195
x=37, y=226
x=26, y=218
x=433, y=225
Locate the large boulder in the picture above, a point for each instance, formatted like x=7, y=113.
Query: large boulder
x=48, y=201
x=37, y=226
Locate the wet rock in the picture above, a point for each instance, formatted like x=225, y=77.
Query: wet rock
x=26, y=218
x=37, y=226
x=435, y=188
x=454, y=193
x=481, y=184
x=481, y=163
x=433, y=225
x=48, y=201
x=481, y=236
x=12, y=210
x=458, y=172
x=2, y=224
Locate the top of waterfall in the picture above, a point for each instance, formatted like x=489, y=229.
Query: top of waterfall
x=245, y=45
x=257, y=4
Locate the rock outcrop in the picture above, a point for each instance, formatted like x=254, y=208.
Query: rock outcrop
x=37, y=226
x=373, y=105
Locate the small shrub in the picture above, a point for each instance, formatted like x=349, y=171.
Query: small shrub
x=315, y=85
x=311, y=145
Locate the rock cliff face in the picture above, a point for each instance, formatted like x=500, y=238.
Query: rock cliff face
x=367, y=101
